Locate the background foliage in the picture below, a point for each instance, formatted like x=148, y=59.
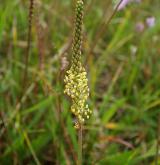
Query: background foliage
x=122, y=60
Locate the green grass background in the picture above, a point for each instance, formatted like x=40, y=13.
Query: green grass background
x=123, y=68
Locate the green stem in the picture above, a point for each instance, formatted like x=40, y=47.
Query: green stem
x=158, y=142
x=80, y=142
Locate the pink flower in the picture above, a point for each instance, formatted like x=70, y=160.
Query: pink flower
x=124, y=3
x=150, y=21
x=140, y=26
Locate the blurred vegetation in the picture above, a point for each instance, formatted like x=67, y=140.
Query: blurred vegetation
x=123, y=69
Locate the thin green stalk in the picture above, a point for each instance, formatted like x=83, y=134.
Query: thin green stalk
x=30, y=147
x=158, y=142
x=80, y=143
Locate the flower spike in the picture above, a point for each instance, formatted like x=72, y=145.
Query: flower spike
x=76, y=82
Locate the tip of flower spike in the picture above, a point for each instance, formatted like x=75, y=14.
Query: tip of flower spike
x=79, y=6
x=80, y=2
